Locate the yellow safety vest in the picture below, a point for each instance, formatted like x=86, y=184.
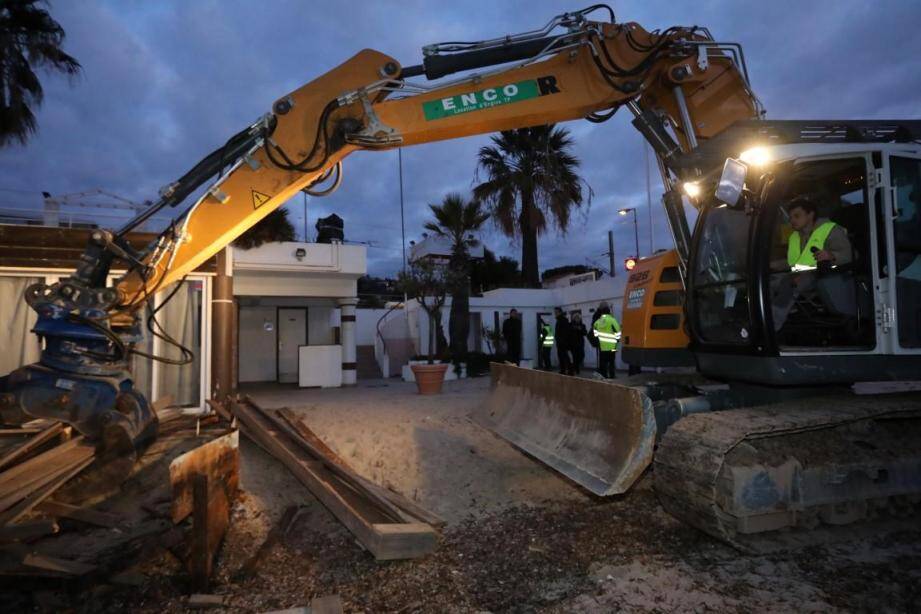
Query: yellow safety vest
x=607, y=329
x=804, y=257
x=548, y=336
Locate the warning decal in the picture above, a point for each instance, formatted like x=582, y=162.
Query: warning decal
x=259, y=199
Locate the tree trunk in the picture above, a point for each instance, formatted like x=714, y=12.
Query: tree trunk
x=441, y=343
x=431, y=336
x=459, y=323
x=529, y=267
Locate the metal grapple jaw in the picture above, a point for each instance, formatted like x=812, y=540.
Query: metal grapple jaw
x=82, y=378
x=107, y=410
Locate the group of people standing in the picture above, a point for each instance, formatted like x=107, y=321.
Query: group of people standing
x=568, y=336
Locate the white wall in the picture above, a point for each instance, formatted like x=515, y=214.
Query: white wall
x=319, y=330
x=433, y=245
x=366, y=325
x=584, y=297
x=265, y=283
x=257, y=346
x=273, y=269
x=317, y=257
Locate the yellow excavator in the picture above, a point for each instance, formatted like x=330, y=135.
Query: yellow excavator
x=789, y=451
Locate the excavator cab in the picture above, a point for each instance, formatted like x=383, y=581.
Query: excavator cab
x=818, y=319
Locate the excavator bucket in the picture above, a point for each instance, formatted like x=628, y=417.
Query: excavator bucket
x=598, y=434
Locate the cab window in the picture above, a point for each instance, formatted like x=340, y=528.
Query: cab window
x=820, y=264
x=906, y=185
x=720, y=297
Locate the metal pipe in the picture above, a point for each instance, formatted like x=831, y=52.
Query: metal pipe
x=611, y=251
x=685, y=117
x=402, y=217
x=652, y=249
x=222, y=327
x=636, y=233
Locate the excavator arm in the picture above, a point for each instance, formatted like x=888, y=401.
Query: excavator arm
x=367, y=103
x=682, y=87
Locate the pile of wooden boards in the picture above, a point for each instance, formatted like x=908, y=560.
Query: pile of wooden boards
x=36, y=460
x=189, y=471
x=387, y=524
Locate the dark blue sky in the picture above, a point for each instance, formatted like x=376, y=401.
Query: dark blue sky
x=166, y=82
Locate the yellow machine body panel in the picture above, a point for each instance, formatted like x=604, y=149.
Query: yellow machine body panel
x=653, y=314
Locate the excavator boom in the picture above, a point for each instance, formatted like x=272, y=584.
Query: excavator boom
x=367, y=103
x=682, y=87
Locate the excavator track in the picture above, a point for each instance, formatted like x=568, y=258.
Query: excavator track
x=783, y=476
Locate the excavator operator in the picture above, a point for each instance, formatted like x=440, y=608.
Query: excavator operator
x=828, y=238
x=816, y=245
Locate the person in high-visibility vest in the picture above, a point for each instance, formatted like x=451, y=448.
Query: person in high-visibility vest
x=814, y=244
x=814, y=240
x=545, y=341
x=607, y=330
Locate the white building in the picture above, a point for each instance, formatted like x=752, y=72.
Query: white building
x=489, y=311
x=434, y=246
x=296, y=311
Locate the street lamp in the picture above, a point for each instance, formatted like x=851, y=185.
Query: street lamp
x=636, y=228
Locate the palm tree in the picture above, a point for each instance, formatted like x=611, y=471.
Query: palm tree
x=29, y=39
x=530, y=180
x=274, y=227
x=456, y=221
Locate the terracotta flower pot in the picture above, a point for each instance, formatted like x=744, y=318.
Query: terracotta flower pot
x=429, y=378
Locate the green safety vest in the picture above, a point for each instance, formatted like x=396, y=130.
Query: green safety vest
x=607, y=329
x=804, y=257
x=548, y=336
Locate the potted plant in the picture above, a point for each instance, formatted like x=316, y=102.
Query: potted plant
x=428, y=283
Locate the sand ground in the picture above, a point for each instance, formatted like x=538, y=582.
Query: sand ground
x=518, y=537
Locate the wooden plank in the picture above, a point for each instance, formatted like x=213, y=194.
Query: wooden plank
x=18, y=432
x=81, y=514
x=31, y=445
x=203, y=602
x=304, y=437
x=413, y=509
x=220, y=409
x=312, y=439
x=165, y=411
x=36, y=464
x=210, y=518
x=29, y=530
x=404, y=541
x=330, y=604
x=48, y=563
x=395, y=503
x=219, y=459
x=348, y=505
x=36, y=497
x=275, y=535
x=287, y=453
x=29, y=483
x=162, y=403
x=39, y=423
x=20, y=560
x=169, y=414
x=199, y=556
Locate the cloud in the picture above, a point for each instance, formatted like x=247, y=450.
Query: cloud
x=164, y=83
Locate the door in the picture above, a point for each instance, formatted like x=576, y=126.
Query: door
x=257, y=349
x=292, y=333
x=904, y=260
x=827, y=304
